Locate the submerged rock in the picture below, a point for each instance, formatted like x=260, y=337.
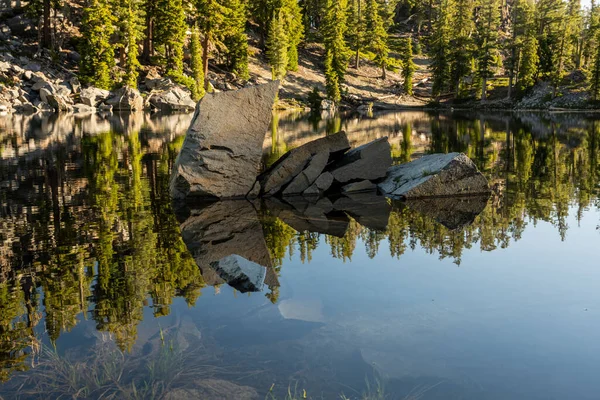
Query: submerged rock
x=222, y=151
x=435, y=175
x=241, y=274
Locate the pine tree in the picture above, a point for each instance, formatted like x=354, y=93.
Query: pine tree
x=133, y=17
x=170, y=34
x=487, y=37
x=439, y=52
x=277, y=46
x=550, y=27
x=235, y=39
x=528, y=63
x=461, y=44
x=196, y=64
x=97, y=52
x=595, y=89
x=376, y=36
x=336, y=51
x=295, y=31
x=408, y=67
x=356, y=29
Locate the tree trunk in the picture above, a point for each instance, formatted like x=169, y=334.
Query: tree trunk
x=205, y=44
x=510, y=85
x=484, y=89
x=148, y=50
x=47, y=29
x=383, y=73
x=358, y=38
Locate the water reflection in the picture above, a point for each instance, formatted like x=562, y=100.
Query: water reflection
x=90, y=248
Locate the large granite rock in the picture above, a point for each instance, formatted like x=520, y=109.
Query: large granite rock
x=222, y=151
x=435, y=175
x=369, y=161
x=126, y=99
x=300, y=161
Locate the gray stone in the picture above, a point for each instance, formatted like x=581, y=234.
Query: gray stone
x=93, y=96
x=75, y=84
x=126, y=99
x=44, y=94
x=294, y=161
x=361, y=186
x=83, y=109
x=172, y=99
x=435, y=175
x=307, y=177
x=222, y=151
x=321, y=184
x=59, y=102
x=241, y=274
x=40, y=84
x=370, y=161
x=105, y=107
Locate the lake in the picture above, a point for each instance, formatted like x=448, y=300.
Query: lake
x=107, y=291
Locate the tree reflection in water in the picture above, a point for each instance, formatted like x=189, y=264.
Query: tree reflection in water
x=88, y=231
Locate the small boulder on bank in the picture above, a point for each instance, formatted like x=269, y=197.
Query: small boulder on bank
x=435, y=175
x=93, y=96
x=126, y=99
x=222, y=151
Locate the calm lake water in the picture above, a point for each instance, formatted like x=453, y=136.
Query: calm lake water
x=106, y=291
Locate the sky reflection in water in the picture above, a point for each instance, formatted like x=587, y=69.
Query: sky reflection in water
x=99, y=294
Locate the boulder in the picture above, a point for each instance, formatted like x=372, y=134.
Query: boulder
x=172, y=99
x=435, y=175
x=241, y=274
x=307, y=177
x=20, y=25
x=126, y=99
x=370, y=161
x=292, y=163
x=222, y=151
x=368, y=209
x=59, y=102
x=93, y=96
x=83, y=109
x=360, y=186
x=322, y=183
x=75, y=84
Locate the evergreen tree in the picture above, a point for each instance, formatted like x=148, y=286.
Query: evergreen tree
x=336, y=51
x=439, y=53
x=528, y=63
x=97, y=52
x=356, y=29
x=550, y=27
x=487, y=36
x=461, y=44
x=595, y=89
x=235, y=39
x=277, y=46
x=408, y=67
x=133, y=26
x=196, y=64
x=170, y=34
x=295, y=31
x=376, y=36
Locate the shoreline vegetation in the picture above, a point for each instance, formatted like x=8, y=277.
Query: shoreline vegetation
x=84, y=56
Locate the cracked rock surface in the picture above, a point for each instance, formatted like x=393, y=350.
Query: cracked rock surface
x=222, y=151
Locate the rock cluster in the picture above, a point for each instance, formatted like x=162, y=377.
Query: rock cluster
x=28, y=90
x=325, y=165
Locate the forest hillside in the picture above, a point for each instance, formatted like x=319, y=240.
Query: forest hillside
x=527, y=54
